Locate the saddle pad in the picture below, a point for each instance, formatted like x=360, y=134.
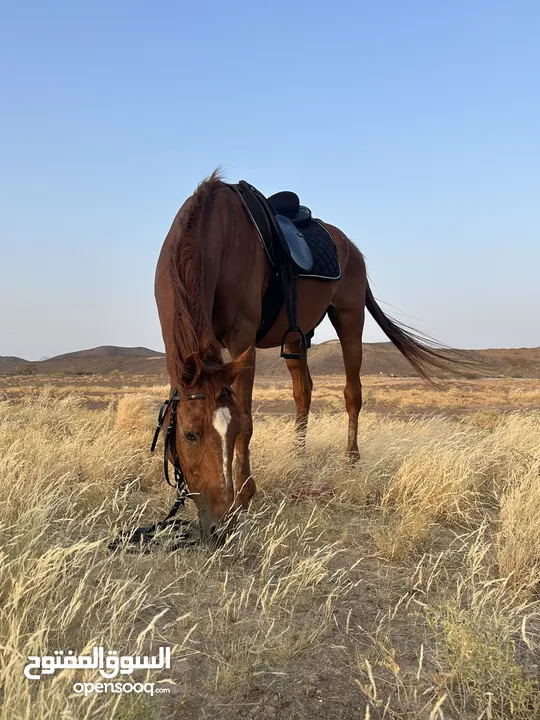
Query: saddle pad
x=325, y=256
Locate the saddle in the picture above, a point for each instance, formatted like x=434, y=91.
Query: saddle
x=291, y=216
x=296, y=245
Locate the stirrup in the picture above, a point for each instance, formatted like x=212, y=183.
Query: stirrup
x=303, y=345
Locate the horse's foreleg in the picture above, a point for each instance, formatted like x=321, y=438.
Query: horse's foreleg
x=302, y=387
x=243, y=389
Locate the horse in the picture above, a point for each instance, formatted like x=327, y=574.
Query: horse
x=211, y=277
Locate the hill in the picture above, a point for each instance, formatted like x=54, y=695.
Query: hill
x=383, y=358
x=101, y=360
x=9, y=364
x=324, y=359
x=107, y=351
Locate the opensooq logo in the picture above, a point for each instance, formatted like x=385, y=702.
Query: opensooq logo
x=110, y=665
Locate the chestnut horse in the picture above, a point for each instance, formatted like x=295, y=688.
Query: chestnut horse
x=211, y=277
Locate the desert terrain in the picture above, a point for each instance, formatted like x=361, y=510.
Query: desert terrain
x=401, y=586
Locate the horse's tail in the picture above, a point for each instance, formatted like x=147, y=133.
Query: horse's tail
x=411, y=344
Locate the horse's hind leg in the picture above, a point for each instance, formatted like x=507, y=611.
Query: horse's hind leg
x=302, y=387
x=349, y=325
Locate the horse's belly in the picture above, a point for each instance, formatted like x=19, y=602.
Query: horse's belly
x=314, y=298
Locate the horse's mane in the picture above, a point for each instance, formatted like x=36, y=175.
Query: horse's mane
x=197, y=354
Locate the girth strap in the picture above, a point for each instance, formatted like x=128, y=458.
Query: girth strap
x=289, y=281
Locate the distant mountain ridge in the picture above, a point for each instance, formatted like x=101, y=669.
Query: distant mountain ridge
x=7, y=363
x=103, y=359
x=109, y=351
x=324, y=359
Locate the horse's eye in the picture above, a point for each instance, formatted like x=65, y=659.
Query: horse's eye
x=190, y=437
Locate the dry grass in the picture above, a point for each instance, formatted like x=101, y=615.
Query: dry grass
x=381, y=393
x=410, y=394
x=406, y=587
x=137, y=411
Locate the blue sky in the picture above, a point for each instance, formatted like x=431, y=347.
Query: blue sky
x=414, y=126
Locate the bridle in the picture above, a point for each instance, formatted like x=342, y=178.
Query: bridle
x=169, y=445
x=145, y=534
x=170, y=438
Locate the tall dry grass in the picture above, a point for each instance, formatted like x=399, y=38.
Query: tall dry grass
x=412, y=575
x=381, y=393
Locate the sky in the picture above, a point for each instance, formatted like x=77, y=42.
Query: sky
x=413, y=126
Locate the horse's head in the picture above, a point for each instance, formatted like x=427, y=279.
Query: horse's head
x=208, y=422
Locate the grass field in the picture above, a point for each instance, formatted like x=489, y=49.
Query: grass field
x=404, y=586
x=273, y=396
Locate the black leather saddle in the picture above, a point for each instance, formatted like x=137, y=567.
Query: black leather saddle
x=288, y=204
x=291, y=216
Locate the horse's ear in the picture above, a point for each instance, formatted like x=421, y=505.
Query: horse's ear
x=191, y=370
x=242, y=362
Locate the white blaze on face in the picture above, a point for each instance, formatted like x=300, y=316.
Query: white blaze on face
x=221, y=421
